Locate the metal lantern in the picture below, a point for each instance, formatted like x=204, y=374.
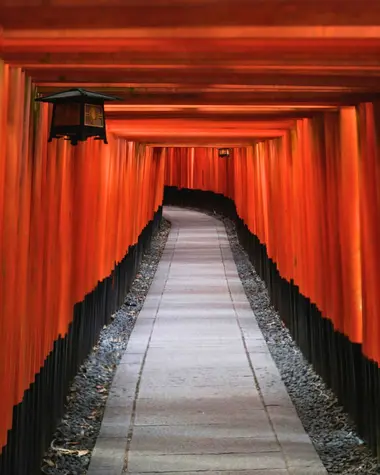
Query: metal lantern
x=224, y=152
x=77, y=115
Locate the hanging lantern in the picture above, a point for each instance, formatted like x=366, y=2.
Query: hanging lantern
x=77, y=115
x=224, y=152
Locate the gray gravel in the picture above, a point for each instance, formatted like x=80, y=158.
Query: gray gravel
x=329, y=427
x=76, y=434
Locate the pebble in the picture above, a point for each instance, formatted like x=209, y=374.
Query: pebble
x=76, y=434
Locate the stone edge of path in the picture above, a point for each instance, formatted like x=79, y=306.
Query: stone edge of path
x=109, y=454
x=75, y=435
x=282, y=414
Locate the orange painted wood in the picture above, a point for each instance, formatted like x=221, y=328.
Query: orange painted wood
x=301, y=195
x=369, y=182
x=67, y=215
x=232, y=13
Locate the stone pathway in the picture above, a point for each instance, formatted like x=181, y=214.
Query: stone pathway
x=197, y=390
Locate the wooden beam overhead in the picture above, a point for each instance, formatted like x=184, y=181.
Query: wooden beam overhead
x=204, y=117
x=195, y=99
x=203, y=143
x=100, y=79
x=232, y=48
x=79, y=14
x=195, y=137
x=200, y=71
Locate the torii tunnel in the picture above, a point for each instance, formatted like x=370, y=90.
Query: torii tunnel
x=291, y=87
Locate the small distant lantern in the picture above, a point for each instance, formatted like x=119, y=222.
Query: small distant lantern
x=224, y=152
x=77, y=115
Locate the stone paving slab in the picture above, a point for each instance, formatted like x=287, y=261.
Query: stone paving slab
x=200, y=439
x=197, y=325
x=197, y=377
x=197, y=389
x=243, y=412
x=183, y=312
x=193, y=333
x=174, y=393
x=207, y=359
x=221, y=343
x=108, y=456
x=138, y=462
x=212, y=472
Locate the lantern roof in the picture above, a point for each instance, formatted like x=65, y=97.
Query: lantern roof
x=76, y=94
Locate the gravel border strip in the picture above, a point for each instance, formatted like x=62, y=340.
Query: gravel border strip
x=75, y=437
x=332, y=432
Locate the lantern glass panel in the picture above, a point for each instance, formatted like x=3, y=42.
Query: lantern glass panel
x=67, y=114
x=93, y=115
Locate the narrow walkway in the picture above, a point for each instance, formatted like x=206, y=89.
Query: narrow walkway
x=197, y=389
